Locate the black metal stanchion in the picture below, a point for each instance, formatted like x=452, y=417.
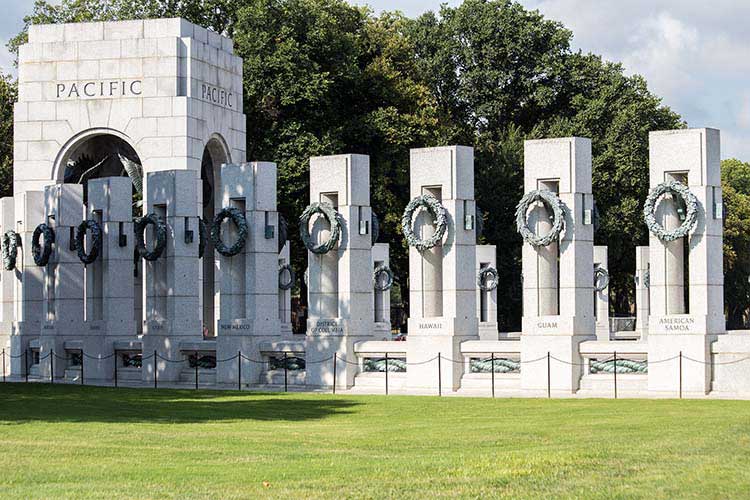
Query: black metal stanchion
x=493, y=374
x=386, y=374
x=26, y=364
x=239, y=370
x=286, y=382
x=3, y=365
x=680, y=374
x=335, y=355
x=196, y=370
x=115, y=356
x=156, y=383
x=82, y=356
x=549, y=378
x=440, y=377
x=614, y=358
x=52, y=367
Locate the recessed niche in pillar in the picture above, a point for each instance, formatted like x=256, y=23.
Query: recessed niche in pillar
x=379, y=299
x=327, y=296
x=670, y=214
x=484, y=299
x=214, y=156
x=158, y=284
x=548, y=257
x=432, y=260
x=237, y=267
x=94, y=279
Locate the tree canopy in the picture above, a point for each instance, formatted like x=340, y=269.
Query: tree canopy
x=325, y=77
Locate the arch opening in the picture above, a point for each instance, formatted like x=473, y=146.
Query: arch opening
x=214, y=155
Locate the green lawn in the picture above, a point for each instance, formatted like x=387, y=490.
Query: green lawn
x=85, y=442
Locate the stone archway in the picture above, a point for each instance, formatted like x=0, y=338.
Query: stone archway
x=215, y=154
x=105, y=153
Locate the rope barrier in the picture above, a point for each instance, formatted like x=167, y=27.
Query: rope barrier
x=714, y=362
x=615, y=358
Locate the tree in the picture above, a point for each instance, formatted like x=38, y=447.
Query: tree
x=8, y=94
x=735, y=185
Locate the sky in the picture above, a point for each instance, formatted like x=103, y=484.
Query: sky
x=695, y=55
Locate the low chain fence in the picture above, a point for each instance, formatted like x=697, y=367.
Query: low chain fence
x=288, y=362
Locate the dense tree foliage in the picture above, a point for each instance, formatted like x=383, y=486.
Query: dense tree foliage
x=324, y=77
x=735, y=184
x=7, y=99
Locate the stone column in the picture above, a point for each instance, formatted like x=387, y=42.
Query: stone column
x=601, y=299
x=445, y=275
x=248, y=297
x=28, y=280
x=561, y=165
x=641, y=292
x=63, y=277
x=487, y=300
x=692, y=155
x=285, y=296
x=341, y=311
x=7, y=284
x=171, y=311
x=109, y=279
x=382, y=298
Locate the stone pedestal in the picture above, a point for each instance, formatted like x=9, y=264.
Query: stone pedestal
x=340, y=282
x=601, y=298
x=487, y=300
x=642, y=284
x=27, y=281
x=562, y=166
x=285, y=296
x=171, y=312
x=63, y=309
x=249, y=292
x=442, y=305
x=109, y=279
x=381, y=298
x=693, y=157
x=7, y=285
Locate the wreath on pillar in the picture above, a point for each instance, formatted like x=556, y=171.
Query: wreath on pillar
x=9, y=246
x=286, y=285
x=333, y=218
x=652, y=201
x=551, y=200
x=202, y=236
x=601, y=278
x=239, y=220
x=436, y=209
x=41, y=253
x=160, y=244
x=382, y=278
x=96, y=241
x=488, y=279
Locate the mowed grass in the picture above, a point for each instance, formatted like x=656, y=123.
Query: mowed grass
x=87, y=442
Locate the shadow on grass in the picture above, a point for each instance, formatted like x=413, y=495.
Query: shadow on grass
x=22, y=403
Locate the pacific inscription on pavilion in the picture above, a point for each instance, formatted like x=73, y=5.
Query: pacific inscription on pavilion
x=98, y=89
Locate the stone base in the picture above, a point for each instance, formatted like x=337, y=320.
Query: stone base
x=664, y=374
x=488, y=331
x=21, y=334
x=165, y=338
x=245, y=336
x=563, y=376
x=731, y=373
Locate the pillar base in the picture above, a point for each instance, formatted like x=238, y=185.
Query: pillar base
x=564, y=375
